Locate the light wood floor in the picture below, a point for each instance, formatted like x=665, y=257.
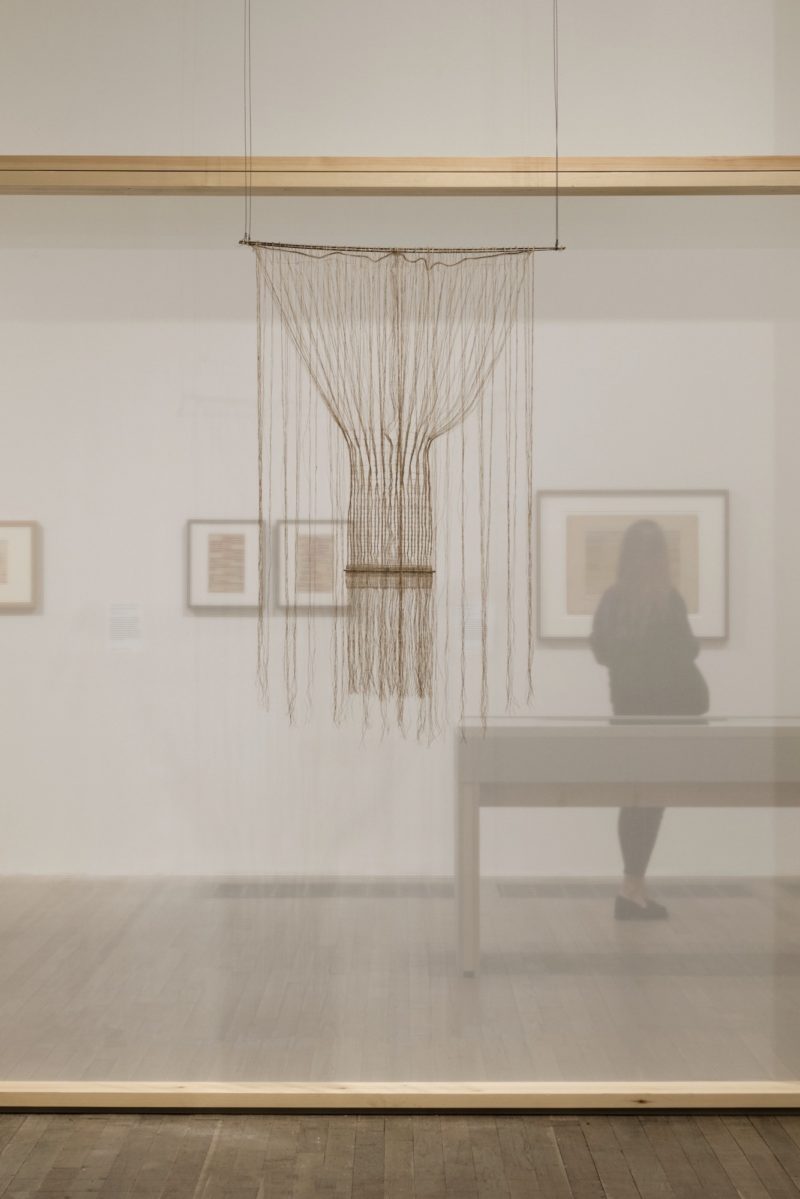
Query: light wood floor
x=262, y=981
x=411, y=1157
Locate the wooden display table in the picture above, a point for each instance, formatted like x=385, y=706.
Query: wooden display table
x=594, y=763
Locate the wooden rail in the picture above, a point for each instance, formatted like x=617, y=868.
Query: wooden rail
x=393, y=1096
x=73, y=175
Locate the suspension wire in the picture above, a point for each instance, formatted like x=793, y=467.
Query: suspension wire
x=247, y=240
x=557, y=245
x=248, y=123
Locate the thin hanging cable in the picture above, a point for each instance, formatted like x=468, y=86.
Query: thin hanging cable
x=248, y=125
x=557, y=245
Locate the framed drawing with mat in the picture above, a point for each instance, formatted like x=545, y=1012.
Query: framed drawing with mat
x=223, y=563
x=579, y=535
x=19, y=572
x=311, y=561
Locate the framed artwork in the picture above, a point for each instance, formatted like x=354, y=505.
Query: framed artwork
x=18, y=566
x=579, y=535
x=223, y=563
x=311, y=561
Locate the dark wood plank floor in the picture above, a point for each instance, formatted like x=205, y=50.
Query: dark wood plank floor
x=156, y=1156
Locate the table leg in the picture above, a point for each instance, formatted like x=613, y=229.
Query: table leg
x=468, y=856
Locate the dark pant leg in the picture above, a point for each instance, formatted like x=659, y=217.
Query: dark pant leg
x=638, y=829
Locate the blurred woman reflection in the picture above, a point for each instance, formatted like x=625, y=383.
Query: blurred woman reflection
x=641, y=633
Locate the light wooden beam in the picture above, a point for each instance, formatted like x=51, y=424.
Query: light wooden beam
x=390, y=1096
x=72, y=175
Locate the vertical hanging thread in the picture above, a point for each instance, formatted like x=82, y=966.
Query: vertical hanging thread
x=262, y=633
x=529, y=361
x=447, y=563
x=290, y=612
x=511, y=378
x=463, y=555
x=485, y=473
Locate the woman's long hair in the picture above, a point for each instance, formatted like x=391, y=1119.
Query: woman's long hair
x=643, y=578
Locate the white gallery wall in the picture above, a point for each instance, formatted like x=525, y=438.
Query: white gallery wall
x=666, y=357
x=378, y=77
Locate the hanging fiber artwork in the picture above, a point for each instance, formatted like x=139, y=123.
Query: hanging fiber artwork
x=395, y=396
x=395, y=403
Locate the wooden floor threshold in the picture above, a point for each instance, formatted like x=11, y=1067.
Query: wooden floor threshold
x=392, y=1096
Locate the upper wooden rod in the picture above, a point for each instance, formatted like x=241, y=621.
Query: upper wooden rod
x=111, y=175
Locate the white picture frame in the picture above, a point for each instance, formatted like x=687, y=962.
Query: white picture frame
x=310, y=566
x=223, y=564
x=19, y=567
x=571, y=525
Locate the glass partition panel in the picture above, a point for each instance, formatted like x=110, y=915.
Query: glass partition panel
x=599, y=884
